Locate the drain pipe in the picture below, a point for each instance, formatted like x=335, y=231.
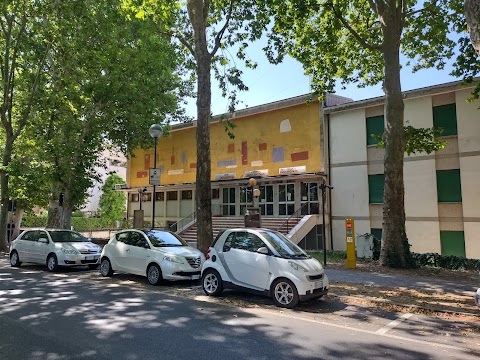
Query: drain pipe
x=329, y=179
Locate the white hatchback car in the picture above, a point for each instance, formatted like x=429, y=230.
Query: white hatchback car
x=54, y=247
x=157, y=254
x=263, y=261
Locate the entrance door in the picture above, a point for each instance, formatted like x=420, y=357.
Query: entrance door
x=266, y=199
x=228, y=201
x=309, y=193
x=246, y=198
x=286, y=199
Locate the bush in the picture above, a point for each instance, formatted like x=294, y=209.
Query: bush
x=78, y=223
x=450, y=262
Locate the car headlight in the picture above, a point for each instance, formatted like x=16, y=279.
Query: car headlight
x=70, y=251
x=297, y=266
x=173, y=259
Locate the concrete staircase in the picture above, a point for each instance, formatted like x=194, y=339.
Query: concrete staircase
x=223, y=222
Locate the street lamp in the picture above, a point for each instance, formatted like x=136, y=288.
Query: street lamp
x=155, y=131
x=323, y=186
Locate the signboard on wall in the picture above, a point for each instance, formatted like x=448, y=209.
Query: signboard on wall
x=225, y=176
x=253, y=173
x=293, y=170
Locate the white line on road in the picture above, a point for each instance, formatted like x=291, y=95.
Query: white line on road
x=394, y=323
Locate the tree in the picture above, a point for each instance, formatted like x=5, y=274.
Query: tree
x=112, y=203
x=472, y=15
x=205, y=28
x=360, y=41
x=100, y=69
x=25, y=40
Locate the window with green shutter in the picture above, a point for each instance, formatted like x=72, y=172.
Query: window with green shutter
x=375, y=188
x=377, y=233
x=375, y=125
x=449, y=188
x=452, y=243
x=445, y=117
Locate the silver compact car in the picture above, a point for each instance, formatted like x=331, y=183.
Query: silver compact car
x=157, y=254
x=54, y=247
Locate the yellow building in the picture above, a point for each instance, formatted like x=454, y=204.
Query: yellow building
x=279, y=144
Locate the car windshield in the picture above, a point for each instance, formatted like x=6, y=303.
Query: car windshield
x=164, y=238
x=67, y=236
x=283, y=246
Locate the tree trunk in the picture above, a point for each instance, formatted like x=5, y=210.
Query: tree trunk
x=204, y=99
x=7, y=156
x=472, y=14
x=17, y=222
x=55, y=211
x=395, y=251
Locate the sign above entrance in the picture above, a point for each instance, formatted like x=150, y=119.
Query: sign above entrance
x=154, y=176
x=253, y=173
x=292, y=170
x=226, y=176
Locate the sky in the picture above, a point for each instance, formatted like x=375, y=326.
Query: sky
x=268, y=83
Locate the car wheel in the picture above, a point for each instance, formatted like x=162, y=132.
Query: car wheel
x=154, y=274
x=285, y=293
x=14, y=259
x=212, y=282
x=52, y=263
x=93, y=266
x=106, y=268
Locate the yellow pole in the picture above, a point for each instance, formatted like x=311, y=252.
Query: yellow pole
x=350, y=237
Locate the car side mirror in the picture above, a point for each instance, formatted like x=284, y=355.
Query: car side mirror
x=263, y=250
x=143, y=243
x=43, y=240
x=226, y=248
x=89, y=239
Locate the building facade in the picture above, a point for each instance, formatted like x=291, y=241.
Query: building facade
x=442, y=189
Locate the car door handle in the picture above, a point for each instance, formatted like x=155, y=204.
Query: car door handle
x=128, y=250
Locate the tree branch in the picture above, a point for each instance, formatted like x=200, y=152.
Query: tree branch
x=345, y=23
x=218, y=37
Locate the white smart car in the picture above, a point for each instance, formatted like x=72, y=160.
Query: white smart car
x=157, y=254
x=263, y=261
x=54, y=247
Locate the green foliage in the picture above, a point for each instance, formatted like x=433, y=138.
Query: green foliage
x=446, y=261
x=331, y=255
x=418, y=140
x=78, y=223
x=112, y=203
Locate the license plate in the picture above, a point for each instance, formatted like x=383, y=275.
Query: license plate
x=318, y=284
x=194, y=277
x=90, y=258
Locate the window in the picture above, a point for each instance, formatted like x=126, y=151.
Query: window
x=147, y=197
x=172, y=195
x=449, y=188
x=123, y=237
x=247, y=241
x=445, y=117
x=187, y=194
x=134, y=238
x=228, y=242
x=30, y=236
x=228, y=205
x=160, y=196
x=375, y=126
x=215, y=193
x=452, y=243
x=376, y=185
x=134, y=197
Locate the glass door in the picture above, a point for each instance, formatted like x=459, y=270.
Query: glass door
x=286, y=199
x=246, y=198
x=228, y=201
x=309, y=193
x=266, y=199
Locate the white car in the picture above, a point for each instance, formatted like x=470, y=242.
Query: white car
x=54, y=247
x=477, y=297
x=157, y=254
x=263, y=261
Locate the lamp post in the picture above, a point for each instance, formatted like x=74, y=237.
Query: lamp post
x=323, y=186
x=155, y=131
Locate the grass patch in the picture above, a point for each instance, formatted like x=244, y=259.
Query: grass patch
x=332, y=256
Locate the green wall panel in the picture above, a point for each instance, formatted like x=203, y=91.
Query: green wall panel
x=453, y=243
x=445, y=117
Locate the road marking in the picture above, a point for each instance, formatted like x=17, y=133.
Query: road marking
x=401, y=338
x=394, y=323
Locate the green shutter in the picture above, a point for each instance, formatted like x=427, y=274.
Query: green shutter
x=453, y=243
x=449, y=188
x=375, y=125
x=377, y=233
x=375, y=188
x=445, y=117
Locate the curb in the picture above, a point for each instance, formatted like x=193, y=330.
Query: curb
x=407, y=306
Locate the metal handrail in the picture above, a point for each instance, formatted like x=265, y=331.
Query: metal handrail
x=191, y=217
x=297, y=216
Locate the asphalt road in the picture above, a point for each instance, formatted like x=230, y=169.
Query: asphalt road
x=77, y=314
